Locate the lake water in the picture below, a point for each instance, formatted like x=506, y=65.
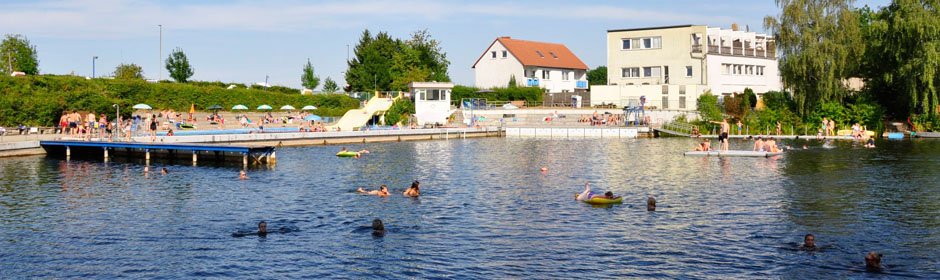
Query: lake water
x=485, y=212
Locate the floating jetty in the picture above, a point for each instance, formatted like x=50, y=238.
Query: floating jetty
x=247, y=154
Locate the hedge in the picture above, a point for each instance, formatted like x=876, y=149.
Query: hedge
x=40, y=100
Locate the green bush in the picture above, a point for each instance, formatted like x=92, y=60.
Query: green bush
x=39, y=100
x=531, y=95
x=399, y=111
x=708, y=107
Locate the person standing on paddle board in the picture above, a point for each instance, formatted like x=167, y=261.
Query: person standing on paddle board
x=723, y=135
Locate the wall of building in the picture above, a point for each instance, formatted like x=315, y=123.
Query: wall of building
x=676, y=97
x=556, y=81
x=495, y=72
x=675, y=51
x=721, y=82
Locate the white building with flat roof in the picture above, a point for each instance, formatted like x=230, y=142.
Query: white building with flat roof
x=673, y=65
x=539, y=64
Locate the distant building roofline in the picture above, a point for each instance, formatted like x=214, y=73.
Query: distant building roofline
x=650, y=28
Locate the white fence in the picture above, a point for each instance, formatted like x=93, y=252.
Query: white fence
x=571, y=133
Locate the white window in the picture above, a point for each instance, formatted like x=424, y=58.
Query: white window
x=565, y=75
x=652, y=71
x=725, y=69
x=630, y=72
x=546, y=74
x=760, y=70
x=532, y=75
x=641, y=43
x=688, y=71
x=493, y=53
x=505, y=54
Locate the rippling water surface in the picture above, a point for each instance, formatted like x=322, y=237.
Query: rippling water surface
x=485, y=212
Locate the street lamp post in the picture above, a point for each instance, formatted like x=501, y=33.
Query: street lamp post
x=265, y=82
x=160, y=77
x=117, y=119
x=93, y=58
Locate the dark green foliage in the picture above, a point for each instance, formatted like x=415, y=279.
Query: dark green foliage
x=16, y=51
x=708, y=107
x=903, y=57
x=399, y=111
x=129, y=71
x=178, y=66
x=39, y=100
x=383, y=63
x=778, y=100
x=751, y=97
x=532, y=95
x=329, y=86
x=512, y=82
x=597, y=76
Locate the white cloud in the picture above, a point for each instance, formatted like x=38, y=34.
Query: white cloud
x=129, y=18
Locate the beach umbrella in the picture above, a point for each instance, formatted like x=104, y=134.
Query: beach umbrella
x=142, y=106
x=239, y=107
x=308, y=108
x=288, y=108
x=264, y=107
x=313, y=118
x=215, y=107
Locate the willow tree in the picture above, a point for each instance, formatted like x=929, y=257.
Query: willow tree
x=820, y=44
x=904, y=57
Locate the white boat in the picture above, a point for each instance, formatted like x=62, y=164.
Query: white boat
x=732, y=153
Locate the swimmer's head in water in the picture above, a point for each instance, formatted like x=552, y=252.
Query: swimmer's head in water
x=415, y=185
x=262, y=227
x=609, y=194
x=164, y=170
x=651, y=204
x=873, y=261
x=383, y=188
x=378, y=225
x=809, y=241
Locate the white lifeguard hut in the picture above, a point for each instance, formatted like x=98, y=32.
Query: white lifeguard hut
x=432, y=102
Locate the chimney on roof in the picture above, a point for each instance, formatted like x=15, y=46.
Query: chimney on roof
x=734, y=27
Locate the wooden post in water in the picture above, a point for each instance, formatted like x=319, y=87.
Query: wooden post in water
x=68, y=152
x=245, y=160
x=105, y=154
x=194, y=157
x=272, y=159
x=147, y=154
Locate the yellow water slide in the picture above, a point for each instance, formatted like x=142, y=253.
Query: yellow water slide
x=356, y=118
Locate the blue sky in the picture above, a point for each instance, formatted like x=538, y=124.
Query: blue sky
x=243, y=41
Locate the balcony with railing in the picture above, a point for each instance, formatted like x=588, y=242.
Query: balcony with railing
x=532, y=82
x=742, y=51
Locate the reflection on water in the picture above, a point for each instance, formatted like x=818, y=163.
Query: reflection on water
x=486, y=211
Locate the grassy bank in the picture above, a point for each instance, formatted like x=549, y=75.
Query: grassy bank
x=40, y=100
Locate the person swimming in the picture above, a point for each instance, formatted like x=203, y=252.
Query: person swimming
x=414, y=190
x=358, y=154
x=650, y=204
x=242, y=175
x=870, y=143
x=873, y=262
x=164, y=171
x=809, y=243
x=378, y=228
x=263, y=231
x=381, y=192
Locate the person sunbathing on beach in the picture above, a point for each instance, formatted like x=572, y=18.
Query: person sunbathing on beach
x=381, y=192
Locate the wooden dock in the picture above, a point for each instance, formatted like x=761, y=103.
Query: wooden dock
x=247, y=154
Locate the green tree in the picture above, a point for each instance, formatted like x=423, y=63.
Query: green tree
x=708, y=107
x=329, y=85
x=178, y=66
x=819, y=44
x=308, y=79
x=17, y=54
x=370, y=68
x=430, y=55
x=512, y=82
x=384, y=63
x=597, y=76
x=128, y=71
x=903, y=60
x=399, y=111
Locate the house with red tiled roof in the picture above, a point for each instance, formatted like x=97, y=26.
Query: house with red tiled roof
x=547, y=65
